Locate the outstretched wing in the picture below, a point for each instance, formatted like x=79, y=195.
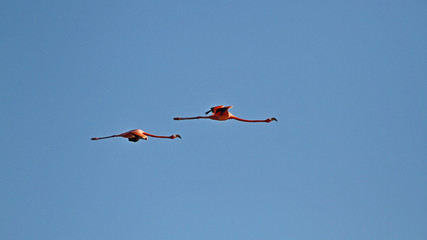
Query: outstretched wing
x=214, y=109
x=134, y=139
x=219, y=109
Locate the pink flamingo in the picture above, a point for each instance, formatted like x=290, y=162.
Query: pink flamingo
x=221, y=113
x=137, y=134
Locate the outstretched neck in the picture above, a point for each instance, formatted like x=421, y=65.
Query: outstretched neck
x=156, y=136
x=246, y=120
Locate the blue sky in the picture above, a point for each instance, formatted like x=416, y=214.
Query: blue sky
x=346, y=80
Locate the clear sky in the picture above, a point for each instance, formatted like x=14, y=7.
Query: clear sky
x=347, y=81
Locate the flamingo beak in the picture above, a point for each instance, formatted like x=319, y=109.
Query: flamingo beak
x=178, y=136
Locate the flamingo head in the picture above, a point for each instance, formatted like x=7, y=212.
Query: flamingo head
x=175, y=136
x=271, y=119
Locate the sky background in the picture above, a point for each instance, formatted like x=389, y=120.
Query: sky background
x=347, y=81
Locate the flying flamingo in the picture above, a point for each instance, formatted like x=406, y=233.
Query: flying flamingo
x=221, y=113
x=137, y=134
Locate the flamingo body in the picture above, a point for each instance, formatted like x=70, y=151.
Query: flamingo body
x=221, y=113
x=136, y=133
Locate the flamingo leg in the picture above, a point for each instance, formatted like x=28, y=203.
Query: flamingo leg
x=189, y=118
x=95, y=138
